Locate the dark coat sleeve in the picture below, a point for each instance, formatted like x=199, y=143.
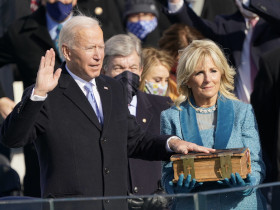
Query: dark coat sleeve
x=208, y=28
x=6, y=47
x=267, y=9
x=19, y=127
x=1, y=92
x=225, y=30
x=144, y=145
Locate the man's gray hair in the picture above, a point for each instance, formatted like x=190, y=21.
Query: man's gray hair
x=121, y=45
x=68, y=31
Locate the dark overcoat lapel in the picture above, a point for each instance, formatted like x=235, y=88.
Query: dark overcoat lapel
x=105, y=93
x=37, y=24
x=75, y=94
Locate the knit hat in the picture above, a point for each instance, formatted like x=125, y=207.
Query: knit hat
x=138, y=6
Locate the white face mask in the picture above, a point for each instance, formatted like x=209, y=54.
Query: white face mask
x=155, y=88
x=246, y=13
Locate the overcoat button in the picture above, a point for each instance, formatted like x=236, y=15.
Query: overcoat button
x=107, y=171
x=135, y=189
x=98, y=10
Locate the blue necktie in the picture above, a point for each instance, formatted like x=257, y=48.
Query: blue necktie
x=58, y=29
x=92, y=101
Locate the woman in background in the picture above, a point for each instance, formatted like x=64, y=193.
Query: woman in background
x=174, y=39
x=156, y=72
x=177, y=37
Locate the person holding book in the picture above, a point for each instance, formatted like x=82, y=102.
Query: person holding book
x=209, y=114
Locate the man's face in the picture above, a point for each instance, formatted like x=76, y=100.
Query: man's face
x=85, y=57
x=118, y=64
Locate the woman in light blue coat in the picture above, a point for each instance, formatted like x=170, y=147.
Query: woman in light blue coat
x=208, y=113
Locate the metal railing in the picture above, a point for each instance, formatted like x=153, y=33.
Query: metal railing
x=213, y=199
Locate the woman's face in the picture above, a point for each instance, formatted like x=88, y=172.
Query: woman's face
x=205, y=83
x=158, y=74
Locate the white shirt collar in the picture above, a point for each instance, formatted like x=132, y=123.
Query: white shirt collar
x=133, y=101
x=79, y=80
x=132, y=106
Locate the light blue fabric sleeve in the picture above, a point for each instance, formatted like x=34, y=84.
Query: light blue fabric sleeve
x=165, y=123
x=251, y=139
x=167, y=168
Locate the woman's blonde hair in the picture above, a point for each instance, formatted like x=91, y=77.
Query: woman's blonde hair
x=196, y=53
x=152, y=57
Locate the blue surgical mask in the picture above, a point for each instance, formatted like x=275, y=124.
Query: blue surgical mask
x=59, y=11
x=155, y=88
x=142, y=28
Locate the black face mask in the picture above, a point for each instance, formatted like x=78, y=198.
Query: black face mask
x=131, y=82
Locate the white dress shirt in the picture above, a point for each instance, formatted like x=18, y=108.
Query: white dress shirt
x=133, y=105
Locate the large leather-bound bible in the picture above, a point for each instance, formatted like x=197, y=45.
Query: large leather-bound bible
x=213, y=166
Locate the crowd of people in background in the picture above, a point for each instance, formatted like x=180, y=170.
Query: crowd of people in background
x=147, y=44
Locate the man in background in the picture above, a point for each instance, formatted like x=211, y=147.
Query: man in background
x=123, y=62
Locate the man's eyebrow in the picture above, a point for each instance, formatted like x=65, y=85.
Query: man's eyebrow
x=117, y=65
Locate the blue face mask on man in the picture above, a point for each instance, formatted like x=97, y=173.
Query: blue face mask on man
x=59, y=11
x=142, y=28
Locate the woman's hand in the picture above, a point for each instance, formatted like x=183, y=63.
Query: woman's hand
x=237, y=181
x=184, y=186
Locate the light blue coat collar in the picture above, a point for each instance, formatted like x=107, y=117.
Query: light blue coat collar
x=225, y=119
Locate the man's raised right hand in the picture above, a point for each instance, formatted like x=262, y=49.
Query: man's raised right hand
x=46, y=79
